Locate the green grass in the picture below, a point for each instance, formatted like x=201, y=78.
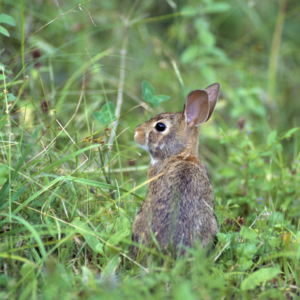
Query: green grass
x=71, y=183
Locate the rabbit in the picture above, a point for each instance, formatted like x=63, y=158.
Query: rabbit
x=178, y=209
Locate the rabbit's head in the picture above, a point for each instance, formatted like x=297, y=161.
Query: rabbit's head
x=171, y=134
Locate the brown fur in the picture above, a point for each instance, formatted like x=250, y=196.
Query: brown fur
x=179, y=206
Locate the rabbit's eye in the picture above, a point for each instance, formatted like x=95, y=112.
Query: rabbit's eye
x=160, y=127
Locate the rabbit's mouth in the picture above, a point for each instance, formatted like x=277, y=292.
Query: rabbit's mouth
x=144, y=147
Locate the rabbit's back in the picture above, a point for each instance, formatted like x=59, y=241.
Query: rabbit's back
x=179, y=205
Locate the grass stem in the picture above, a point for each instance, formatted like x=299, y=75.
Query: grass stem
x=275, y=49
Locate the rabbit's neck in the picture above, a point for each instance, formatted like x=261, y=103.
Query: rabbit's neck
x=161, y=167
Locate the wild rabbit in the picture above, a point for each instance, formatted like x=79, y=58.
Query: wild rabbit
x=179, y=206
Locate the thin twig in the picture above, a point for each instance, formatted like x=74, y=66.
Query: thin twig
x=122, y=70
x=121, y=83
x=219, y=254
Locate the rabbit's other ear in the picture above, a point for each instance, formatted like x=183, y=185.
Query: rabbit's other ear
x=213, y=94
x=196, y=109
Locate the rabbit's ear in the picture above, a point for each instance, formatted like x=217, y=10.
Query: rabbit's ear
x=196, y=107
x=213, y=94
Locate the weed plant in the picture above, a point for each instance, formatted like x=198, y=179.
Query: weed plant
x=77, y=78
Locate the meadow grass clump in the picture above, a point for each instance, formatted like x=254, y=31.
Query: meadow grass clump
x=72, y=178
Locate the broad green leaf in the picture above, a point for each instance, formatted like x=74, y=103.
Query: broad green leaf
x=245, y=143
x=148, y=95
x=248, y=233
x=246, y=250
x=257, y=277
x=116, y=238
x=266, y=153
x=272, y=293
x=4, y=31
x=99, y=249
x=106, y=114
x=189, y=11
x=7, y=20
x=123, y=223
x=275, y=241
x=148, y=91
x=290, y=132
x=189, y=54
x=2, y=180
x=207, y=38
x=244, y=263
x=88, y=235
x=272, y=138
x=217, y=7
x=157, y=99
x=222, y=238
x=2, y=77
x=10, y=97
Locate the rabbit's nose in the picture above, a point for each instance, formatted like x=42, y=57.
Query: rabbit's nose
x=139, y=136
x=135, y=133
